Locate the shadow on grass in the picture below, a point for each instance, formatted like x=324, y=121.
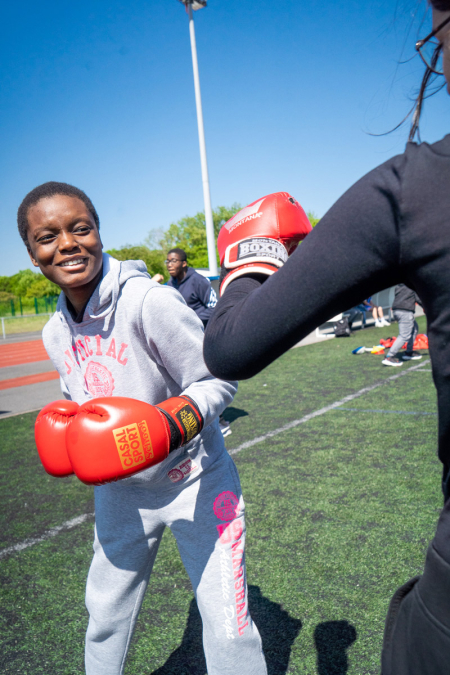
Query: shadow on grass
x=277, y=629
x=231, y=413
x=332, y=639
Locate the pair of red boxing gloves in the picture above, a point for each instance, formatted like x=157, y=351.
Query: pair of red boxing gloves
x=107, y=439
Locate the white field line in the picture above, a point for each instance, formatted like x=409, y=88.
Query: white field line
x=322, y=411
x=390, y=412
x=68, y=525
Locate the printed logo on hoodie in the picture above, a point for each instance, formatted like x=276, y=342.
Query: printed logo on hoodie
x=99, y=380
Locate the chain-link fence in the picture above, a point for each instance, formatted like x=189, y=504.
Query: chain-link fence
x=25, y=315
x=16, y=306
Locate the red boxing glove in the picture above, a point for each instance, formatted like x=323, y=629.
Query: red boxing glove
x=259, y=238
x=115, y=437
x=50, y=435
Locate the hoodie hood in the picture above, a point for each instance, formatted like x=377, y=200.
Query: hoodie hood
x=102, y=302
x=104, y=299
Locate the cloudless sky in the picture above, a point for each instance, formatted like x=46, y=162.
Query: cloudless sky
x=100, y=94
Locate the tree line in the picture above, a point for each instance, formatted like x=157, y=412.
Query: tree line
x=187, y=233
x=26, y=284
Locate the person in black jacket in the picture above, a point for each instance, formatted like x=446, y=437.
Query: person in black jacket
x=195, y=288
x=198, y=294
x=391, y=227
x=404, y=306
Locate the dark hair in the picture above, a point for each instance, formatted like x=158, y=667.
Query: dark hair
x=428, y=78
x=442, y=5
x=424, y=93
x=178, y=251
x=50, y=189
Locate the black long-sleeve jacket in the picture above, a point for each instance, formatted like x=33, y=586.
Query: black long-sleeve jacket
x=391, y=227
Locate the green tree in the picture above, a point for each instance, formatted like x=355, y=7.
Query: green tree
x=189, y=233
x=42, y=287
x=21, y=281
x=5, y=285
x=313, y=219
x=6, y=297
x=153, y=259
x=28, y=284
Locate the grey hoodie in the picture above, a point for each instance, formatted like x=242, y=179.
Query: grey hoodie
x=139, y=339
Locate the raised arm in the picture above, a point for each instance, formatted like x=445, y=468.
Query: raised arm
x=351, y=254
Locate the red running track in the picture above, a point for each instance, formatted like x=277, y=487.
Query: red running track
x=16, y=354
x=28, y=379
x=22, y=352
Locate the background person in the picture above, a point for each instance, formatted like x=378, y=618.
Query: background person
x=361, y=310
x=404, y=306
x=367, y=306
x=198, y=294
x=378, y=315
x=391, y=227
x=194, y=287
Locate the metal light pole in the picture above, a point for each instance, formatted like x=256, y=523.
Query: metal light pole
x=210, y=238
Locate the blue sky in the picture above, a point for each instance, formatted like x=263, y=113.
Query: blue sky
x=101, y=95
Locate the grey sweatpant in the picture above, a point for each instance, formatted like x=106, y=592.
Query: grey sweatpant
x=407, y=331
x=205, y=511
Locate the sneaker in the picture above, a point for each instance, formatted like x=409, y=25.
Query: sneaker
x=412, y=356
x=379, y=323
x=385, y=322
x=391, y=361
x=225, y=428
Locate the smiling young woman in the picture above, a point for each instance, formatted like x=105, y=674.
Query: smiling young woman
x=134, y=346
x=62, y=237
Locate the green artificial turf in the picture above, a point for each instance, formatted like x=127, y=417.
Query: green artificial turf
x=339, y=510
x=31, y=500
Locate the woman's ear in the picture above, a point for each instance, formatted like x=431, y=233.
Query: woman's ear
x=30, y=253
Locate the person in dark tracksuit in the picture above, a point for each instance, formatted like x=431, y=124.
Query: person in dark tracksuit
x=403, y=307
x=198, y=294
x=391, y=227
x=196, y=289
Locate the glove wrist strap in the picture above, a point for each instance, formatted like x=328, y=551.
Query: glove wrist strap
x=184, y=418
x=262, y=269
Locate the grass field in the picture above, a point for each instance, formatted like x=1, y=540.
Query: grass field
x=340, y=510
x=25, y=324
